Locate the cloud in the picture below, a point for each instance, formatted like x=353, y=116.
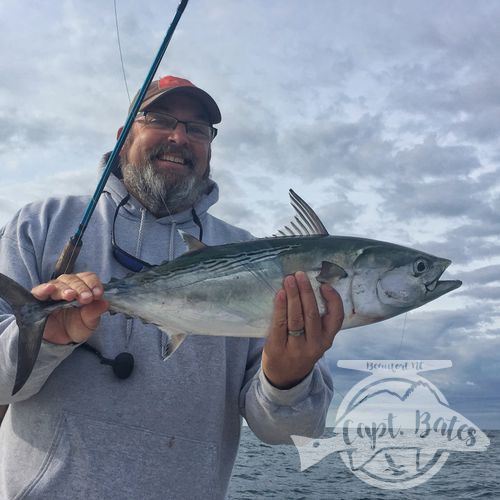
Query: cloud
x=483, y=293
x=57, y=184
x=381, y=115
x=440, y=197
x=482, y=275
x=432, y=159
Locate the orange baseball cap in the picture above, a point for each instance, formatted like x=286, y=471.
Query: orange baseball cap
x=169, y=84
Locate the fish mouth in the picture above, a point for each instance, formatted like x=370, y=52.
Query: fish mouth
x=438, y=288
x=431, y=286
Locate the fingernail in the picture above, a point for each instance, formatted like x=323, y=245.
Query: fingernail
x=97, y=290
x=85, y=295
x=291, y=281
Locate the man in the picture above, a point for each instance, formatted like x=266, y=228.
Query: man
x=169, y=430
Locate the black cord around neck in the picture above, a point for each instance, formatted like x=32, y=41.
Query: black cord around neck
x=197, y=221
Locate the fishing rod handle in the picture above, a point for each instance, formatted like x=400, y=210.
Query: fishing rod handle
x=68, y=257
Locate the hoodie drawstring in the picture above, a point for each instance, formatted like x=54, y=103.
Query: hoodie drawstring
x=141, y=233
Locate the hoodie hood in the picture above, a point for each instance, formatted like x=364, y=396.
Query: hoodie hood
x=115, y=188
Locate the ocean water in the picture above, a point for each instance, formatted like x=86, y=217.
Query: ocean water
x=263, y=471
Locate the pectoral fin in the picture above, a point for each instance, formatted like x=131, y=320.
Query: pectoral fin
x=330, y=272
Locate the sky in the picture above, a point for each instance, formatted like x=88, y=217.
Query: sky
x=382, y=115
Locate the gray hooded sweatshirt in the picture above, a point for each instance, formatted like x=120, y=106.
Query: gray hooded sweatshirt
x=170, y=430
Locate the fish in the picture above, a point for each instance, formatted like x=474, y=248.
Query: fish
x=228, y=290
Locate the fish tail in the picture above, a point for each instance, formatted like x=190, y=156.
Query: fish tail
x=30, y=326
x=311, y=451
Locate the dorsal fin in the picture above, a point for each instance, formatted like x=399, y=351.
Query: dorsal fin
x=191, y=242
x=306, y=221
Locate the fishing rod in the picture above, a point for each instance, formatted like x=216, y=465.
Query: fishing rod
x=70, y=253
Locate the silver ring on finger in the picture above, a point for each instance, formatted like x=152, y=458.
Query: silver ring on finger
x=296, y=333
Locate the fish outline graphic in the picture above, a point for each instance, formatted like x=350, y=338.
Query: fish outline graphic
x=394, y=429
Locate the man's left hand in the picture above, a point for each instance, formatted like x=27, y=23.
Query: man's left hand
x=287, y=359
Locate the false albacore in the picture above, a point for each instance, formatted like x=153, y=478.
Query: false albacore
x=228, y=289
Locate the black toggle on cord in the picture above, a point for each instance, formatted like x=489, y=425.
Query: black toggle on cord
x=123, y=364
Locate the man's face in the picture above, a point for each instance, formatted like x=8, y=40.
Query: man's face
x=166, y=169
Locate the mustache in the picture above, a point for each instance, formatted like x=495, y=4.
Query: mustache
x=165, y=148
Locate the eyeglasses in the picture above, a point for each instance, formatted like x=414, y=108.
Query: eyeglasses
x=197, y=131
x=123, y=257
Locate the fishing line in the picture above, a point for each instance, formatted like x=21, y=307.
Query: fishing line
x=72, y=249
x=335, y=391
x=402, y=335
x=254, y=273
x=120, y=50
x=167, y=207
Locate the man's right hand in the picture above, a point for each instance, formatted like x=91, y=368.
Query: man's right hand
x=73, y=324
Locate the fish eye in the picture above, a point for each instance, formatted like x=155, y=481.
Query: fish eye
x=420, y=266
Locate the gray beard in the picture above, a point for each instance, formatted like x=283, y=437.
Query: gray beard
x=162, y=196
